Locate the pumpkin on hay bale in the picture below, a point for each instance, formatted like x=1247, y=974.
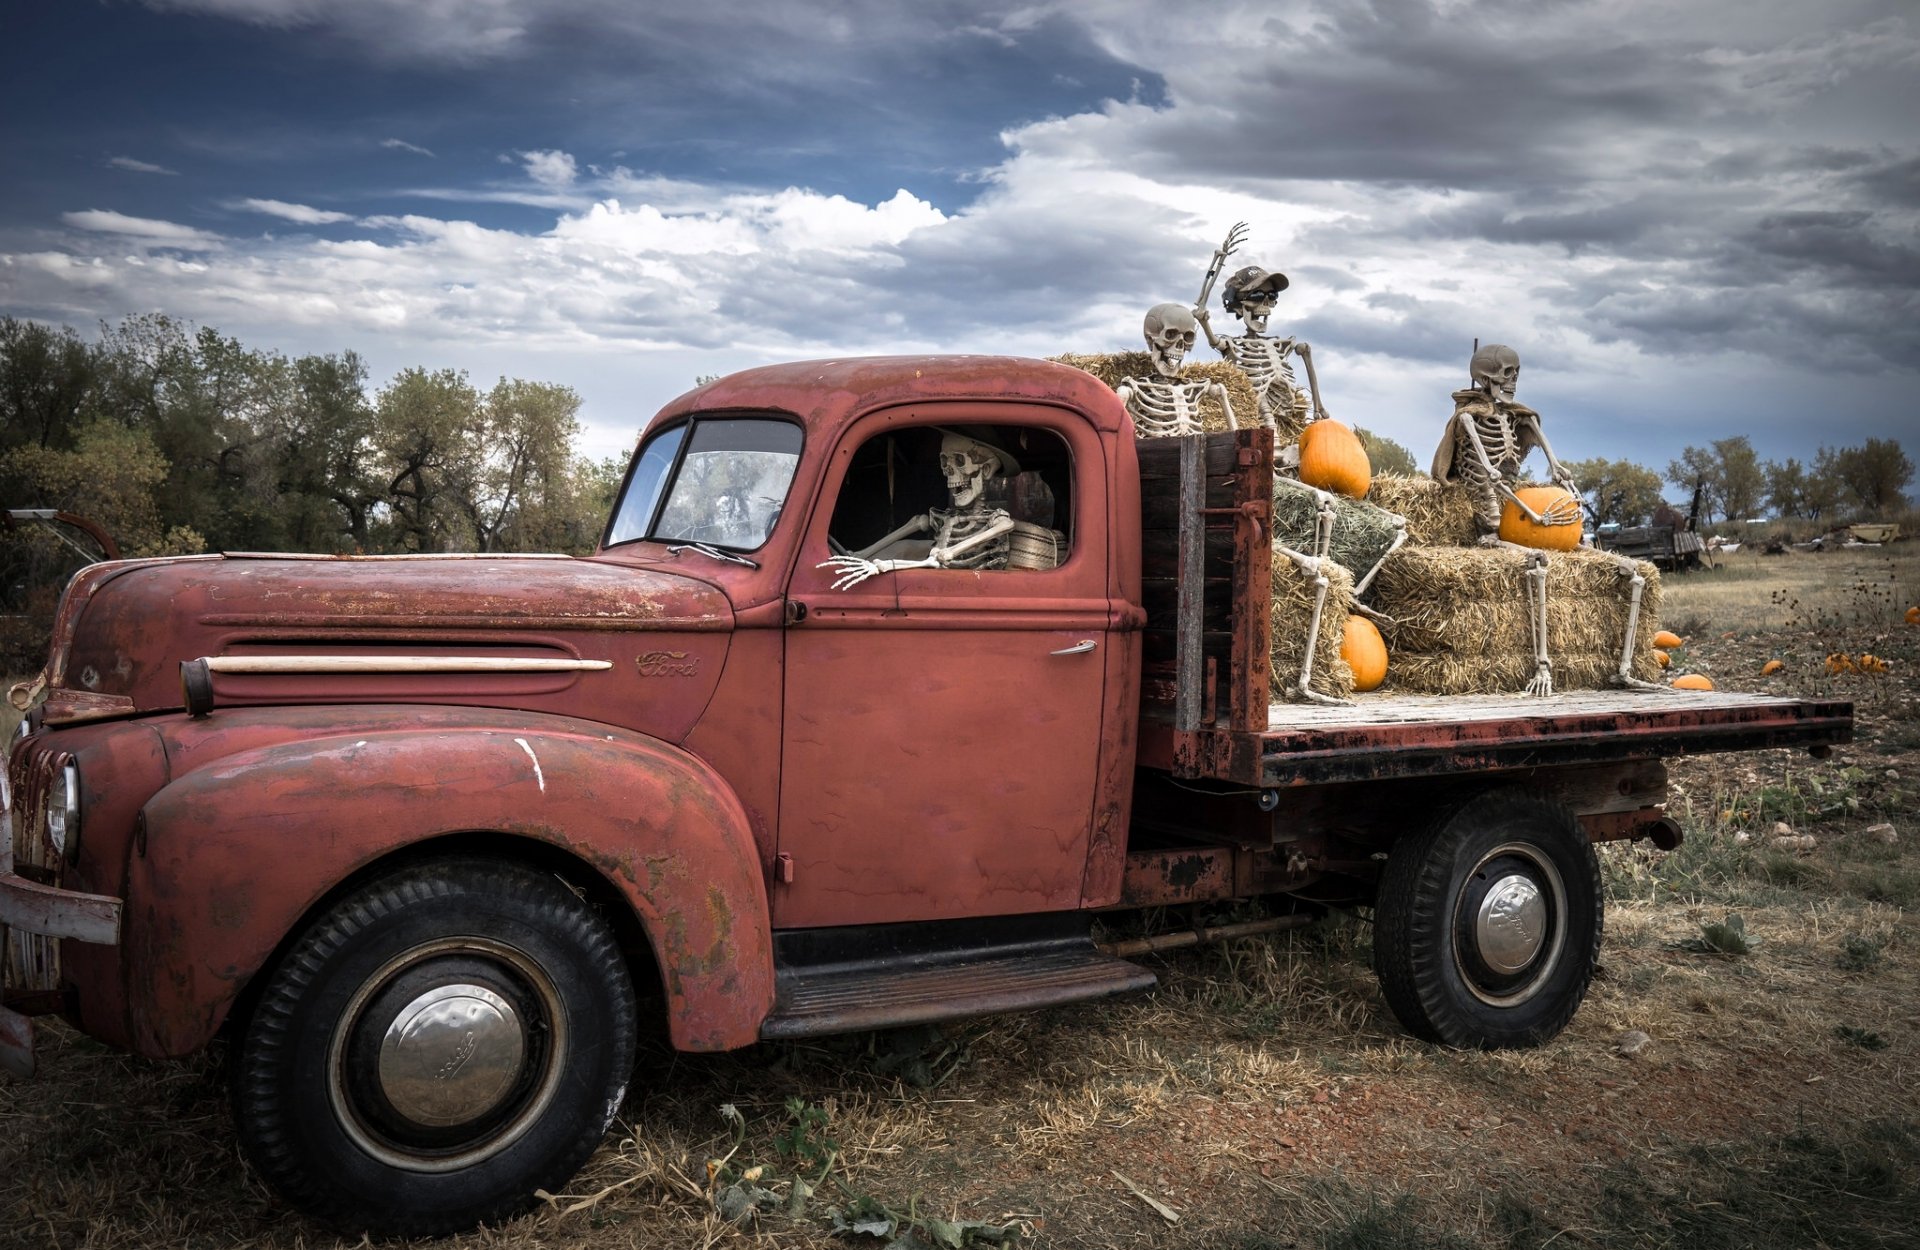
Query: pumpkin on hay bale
x=1438, y=513
x=1113, y=368
x=1332, y=458
x=1460, y=624
x=1559, y=526
x=1291, y=614
x=1365, y=652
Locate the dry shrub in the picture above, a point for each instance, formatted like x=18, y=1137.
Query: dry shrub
x=1460, y=621
x=1438, y=513
x=1293, y=593
x=1114, y=368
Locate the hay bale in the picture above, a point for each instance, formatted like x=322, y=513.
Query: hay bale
x=1460, y=625
x=1362, y=533
x=1115, y=367
x=1438, y=513
x=1292, y=613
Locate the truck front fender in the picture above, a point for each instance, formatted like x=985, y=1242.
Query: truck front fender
x=234, y=854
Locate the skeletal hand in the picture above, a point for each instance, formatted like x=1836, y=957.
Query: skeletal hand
x=853, y=570
x=1235, y=237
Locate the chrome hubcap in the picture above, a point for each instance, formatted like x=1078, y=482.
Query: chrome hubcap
x=1512, y=921
x=447, y=1054
x=1510, y=924
x=451, y=1055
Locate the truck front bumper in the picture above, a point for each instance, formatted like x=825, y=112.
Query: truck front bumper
x=35, y=916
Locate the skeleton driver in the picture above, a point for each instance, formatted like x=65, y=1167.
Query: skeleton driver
x=1163, y=406
x=1250, y=295
x=972, y=534
x=1486, y=442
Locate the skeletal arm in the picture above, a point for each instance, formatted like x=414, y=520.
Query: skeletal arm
x=1313, y=383
x=1558, y=471
x=856, y=569
x=914, y=525
x=1219, y=392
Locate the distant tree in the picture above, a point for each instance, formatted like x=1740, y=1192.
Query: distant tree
x=1729, y=470
x=515, y=481
x=1786, y=487
x=1616, y=491
x=1824, y=490
x=1386, y=455
x=1874, y=474
x=421, y=420
x=46, y=377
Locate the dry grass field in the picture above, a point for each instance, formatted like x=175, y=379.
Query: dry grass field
x=1263, y=1097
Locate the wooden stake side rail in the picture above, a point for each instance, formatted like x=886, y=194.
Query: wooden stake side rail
x=1207, y=541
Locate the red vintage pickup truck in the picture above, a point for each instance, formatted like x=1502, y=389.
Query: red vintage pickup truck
x=431, y=838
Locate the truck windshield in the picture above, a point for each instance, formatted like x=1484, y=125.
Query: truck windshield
x=725, y=489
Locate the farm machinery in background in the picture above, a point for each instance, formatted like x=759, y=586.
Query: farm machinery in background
x=1670, y=542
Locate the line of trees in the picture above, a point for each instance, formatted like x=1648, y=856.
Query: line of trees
x=179, y=439
x=1735, y=484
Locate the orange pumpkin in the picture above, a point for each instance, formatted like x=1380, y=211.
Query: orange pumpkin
x=1771, y=667
x=1692, y=681
x=1332, y=458
x=1662, y=656
x=1839, y=662
x=1913, y=615
x=1668, y=640
x=1551, y=502
x=1365, y=652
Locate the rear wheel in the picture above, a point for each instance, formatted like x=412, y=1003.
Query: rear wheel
x=1487, y=924
x=435, y=1047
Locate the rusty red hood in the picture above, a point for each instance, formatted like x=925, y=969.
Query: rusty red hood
x=125, y=627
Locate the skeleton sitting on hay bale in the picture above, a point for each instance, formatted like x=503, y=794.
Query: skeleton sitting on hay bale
x=1479, y=619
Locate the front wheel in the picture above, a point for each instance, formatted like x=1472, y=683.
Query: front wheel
x=1487, y=925
x=435, y=1047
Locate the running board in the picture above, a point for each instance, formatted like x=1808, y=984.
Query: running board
x=888, y=976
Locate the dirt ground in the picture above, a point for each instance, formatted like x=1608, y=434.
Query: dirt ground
x=1263, y=1097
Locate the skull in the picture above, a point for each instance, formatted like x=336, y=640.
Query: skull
x=967, y=464
x=1170, y=330
x=1250, y=295
x=1496, y=370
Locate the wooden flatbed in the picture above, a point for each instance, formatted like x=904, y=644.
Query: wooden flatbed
x=1206, y=712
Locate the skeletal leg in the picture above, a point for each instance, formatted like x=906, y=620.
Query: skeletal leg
x=1625, y=677
x=1311, y=566
x=1536, y=575
x=1399, y=537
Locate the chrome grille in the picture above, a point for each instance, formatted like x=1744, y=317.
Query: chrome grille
x=30, y=961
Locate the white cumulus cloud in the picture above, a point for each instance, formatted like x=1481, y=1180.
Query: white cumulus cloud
x=550, y=169
x=300, y=213
x=145, y=229
x=131, y=165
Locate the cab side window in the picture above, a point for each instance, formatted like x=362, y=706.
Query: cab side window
x=985, y=498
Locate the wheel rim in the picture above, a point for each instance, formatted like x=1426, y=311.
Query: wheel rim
x=447, y=1054
x=1510, y=924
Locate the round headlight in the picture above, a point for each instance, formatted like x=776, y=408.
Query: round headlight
x=63, y=809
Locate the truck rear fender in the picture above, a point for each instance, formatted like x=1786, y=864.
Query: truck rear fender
x=235, y=856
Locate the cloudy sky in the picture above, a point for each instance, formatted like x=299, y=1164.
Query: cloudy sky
x=1690, y=220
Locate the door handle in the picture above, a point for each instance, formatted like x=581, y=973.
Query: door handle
x=1078, y=648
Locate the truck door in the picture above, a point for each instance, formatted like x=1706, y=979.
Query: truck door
x=943, y=725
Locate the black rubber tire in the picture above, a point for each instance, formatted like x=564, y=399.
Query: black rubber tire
x=1429, y=967
x=503, y=925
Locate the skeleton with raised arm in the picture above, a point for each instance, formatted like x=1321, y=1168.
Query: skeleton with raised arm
x=1486, y=442
x=1163, y=406
x=1250, y=294
x=972, y=534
